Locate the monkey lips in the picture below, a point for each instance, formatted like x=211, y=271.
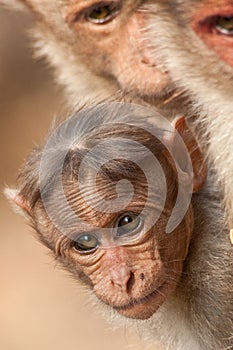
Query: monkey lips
x=145, y=307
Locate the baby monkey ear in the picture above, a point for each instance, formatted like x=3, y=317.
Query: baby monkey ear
x=198, y=163
x=18, y=202
x=199, y=167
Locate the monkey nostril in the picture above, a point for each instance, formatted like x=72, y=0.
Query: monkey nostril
x=142, y=276
x=130, y=283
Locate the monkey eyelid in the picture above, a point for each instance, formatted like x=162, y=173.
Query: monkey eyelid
x=111, y=239
x=210, y=24
x=83, y=13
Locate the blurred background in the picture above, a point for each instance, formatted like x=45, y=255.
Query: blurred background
x=41, y=308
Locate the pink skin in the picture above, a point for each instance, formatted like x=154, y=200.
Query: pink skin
x=120, y=50
x=203, y=24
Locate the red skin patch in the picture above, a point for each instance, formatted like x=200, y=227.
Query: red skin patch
x=204, y=24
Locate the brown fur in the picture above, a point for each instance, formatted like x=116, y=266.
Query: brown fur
x=174, y=42
x=199, y=60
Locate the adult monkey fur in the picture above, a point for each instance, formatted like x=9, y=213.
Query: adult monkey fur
x=181, y=280
x=99, y=47
x=197, y=49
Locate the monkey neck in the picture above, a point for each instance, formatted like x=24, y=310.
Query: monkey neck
x=191, y=318
x=204, y=291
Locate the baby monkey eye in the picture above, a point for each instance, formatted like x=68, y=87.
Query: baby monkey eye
x=127, y=224
x=103, y=12
x=224, y=25
x=86, y=243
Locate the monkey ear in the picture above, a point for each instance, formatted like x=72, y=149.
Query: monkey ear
x=19, y=204
x=198, y=163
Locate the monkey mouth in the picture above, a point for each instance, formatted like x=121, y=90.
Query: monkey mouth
x=145, y=307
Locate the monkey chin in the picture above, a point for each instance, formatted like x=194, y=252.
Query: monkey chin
x=145, y=307
x=153, y=90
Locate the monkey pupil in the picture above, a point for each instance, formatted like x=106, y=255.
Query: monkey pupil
x=86, y=242
x=100, y=13
x=125, y=220
x=128, y=224
x=103, y=13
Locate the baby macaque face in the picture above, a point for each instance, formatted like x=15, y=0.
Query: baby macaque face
x=101, y=195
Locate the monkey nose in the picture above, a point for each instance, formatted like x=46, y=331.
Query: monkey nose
x=122, y=279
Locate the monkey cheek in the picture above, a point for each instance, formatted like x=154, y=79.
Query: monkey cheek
x=223, y=47
x=135, y=65
x=139, y=76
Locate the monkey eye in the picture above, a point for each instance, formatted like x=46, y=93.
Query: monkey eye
x=128, y=224
x=86, y=243
x=103, y=12
x=224, y=25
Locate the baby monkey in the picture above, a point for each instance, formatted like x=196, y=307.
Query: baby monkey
x=110, y=195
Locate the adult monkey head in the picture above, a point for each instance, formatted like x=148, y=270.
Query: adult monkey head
x=98, y=47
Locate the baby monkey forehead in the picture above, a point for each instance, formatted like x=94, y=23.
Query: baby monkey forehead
x=117, y=186
x=105, y=196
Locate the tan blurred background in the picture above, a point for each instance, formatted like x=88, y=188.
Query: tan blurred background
x=41, y=308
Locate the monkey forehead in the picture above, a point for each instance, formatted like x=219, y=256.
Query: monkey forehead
x=101, y=200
